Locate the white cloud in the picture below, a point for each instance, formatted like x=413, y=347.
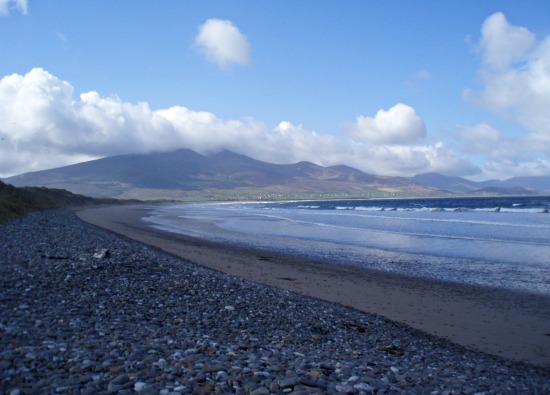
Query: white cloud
x=500, y=157
x=503, y=168
x=485, y=142
x=481, y=132
x=43, y=125
x=502, y=44
x=221, y=42
x=7, y=5
x=479, y=138
x=516, y=78
x=399, y=125
x=411, y=160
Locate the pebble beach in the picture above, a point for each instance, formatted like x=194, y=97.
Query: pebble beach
x=85, y=311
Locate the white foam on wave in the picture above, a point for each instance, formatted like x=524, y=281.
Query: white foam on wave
x=516, y=209
x=387, y=214
x=524, y=210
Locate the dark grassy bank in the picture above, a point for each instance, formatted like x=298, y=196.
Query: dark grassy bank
x=16, y=202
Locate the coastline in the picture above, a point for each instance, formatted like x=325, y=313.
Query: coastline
x=504, y=323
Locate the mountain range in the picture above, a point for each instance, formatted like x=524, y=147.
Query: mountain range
x=185, y=174
x=514, y=185
x=188, y=175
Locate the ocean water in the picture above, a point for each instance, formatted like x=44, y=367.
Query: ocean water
x=498, y=242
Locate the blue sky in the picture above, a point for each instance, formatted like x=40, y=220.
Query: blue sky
x=390, y=87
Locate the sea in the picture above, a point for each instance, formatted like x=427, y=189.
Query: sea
x=501, y=242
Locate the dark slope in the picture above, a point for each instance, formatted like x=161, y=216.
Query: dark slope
x=15, y=202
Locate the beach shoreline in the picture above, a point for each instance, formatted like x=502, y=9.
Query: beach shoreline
x=88, y=311
x=508, y=324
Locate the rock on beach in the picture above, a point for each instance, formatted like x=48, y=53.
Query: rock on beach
x=84, y=311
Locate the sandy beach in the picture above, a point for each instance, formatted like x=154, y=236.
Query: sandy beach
x=511, y=325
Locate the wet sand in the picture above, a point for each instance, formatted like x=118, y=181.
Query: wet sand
x=508, y=324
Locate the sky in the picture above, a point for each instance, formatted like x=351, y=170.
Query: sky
x=392, y=87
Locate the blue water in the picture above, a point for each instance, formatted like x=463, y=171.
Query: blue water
x=499, y=242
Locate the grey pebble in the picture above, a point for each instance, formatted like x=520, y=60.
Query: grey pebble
x=260, y=391
x=137, y=320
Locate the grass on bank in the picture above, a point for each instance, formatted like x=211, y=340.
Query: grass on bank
x=16, y=202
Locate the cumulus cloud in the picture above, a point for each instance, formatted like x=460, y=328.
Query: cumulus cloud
x=484, y=142
x=515, y=84
x=43, y=124
x=515, y=76
x=481, y=137
x=399, y=125
x=502, y=44
x=291, y=143
x=7, y=5
x=479, y=132
x=512, y=167
x=500, y=157
x=221, y=42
